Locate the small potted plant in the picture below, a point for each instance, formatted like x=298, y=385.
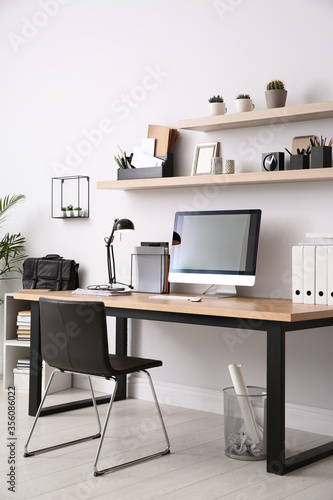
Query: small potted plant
x=217, y=105
x=243, y=102
x=78, y=211
x=64, y=211
x=70, y=211
x=276, y=94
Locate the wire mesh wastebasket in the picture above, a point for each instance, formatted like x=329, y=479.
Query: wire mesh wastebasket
x=245, y=423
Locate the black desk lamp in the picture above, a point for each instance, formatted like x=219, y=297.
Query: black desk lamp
x=118, y=225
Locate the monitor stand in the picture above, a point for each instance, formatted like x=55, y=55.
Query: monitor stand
x=221, y=292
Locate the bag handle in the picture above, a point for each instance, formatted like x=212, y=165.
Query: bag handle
x=52, y=256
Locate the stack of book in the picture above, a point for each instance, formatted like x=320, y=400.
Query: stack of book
x=21, y=374
x=23, y=323
x=23, y=364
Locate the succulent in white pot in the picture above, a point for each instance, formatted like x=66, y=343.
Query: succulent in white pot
x=243, y=102
x=70, y=211
x=78, y=211
x=217, y=105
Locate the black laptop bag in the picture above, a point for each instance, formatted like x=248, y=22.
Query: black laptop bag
x=51, y=272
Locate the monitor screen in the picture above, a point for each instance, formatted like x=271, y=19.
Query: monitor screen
x=215, y=247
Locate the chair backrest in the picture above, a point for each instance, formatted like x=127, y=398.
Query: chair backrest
x=74, y=336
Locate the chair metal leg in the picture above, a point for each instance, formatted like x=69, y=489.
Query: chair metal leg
x=96, y=471
x=132, y=462
x=68, y=443
x=167, y=450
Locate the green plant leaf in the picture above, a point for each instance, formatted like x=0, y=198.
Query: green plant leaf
x=12, y=251
x=11, y=254
x=7, y=203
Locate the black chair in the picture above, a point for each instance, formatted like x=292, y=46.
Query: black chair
x=74, y=340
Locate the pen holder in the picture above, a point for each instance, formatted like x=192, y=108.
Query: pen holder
x=165, y=170
x=321, y=156
x=299, y=162
x=245, y=423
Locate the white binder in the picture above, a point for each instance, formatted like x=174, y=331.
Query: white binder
x=309, y=259
x=297, y=273
x=321, y=275
x=330, y=275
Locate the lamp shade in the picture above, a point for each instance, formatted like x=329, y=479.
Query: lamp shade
x=123, y=225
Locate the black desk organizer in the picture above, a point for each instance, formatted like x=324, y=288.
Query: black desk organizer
x=299, y=162
x=165, y=170
x=321, y=157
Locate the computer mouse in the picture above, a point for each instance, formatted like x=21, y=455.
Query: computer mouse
x=195, y=299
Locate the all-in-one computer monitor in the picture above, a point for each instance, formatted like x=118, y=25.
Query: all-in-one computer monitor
x=215, y=248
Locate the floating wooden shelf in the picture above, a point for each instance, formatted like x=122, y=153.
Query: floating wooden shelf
x=317, y=174
x=288, y=114
x=260, y=117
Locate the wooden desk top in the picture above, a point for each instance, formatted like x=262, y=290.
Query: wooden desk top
x=234, y=307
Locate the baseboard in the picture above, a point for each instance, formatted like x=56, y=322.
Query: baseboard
x=304, y=418
x=186, y=396
x=310, y=419
x=301, y=417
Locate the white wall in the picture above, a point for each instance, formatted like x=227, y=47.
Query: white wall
x=69, y=66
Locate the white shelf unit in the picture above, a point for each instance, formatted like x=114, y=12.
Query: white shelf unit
x=14, y=349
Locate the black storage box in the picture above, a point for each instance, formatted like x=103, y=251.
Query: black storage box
x=166, y=170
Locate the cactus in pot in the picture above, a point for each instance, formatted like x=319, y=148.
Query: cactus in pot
x=276, y=94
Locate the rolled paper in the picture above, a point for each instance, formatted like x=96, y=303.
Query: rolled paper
x=244, y=401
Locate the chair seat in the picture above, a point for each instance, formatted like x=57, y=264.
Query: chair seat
x=119, y=365
x=129, y=364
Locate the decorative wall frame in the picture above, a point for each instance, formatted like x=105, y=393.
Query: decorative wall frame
x=70, y=197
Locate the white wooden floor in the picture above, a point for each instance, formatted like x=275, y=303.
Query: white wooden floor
x=196, y=469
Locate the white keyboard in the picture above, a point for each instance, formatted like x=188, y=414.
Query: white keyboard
x=177, y=297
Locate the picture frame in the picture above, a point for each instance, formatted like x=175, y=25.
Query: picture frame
x=202, y=156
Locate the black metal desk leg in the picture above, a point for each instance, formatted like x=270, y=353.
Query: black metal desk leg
x=277, y=463
x=121, y=348
x=276, y=398
x=35, y=382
